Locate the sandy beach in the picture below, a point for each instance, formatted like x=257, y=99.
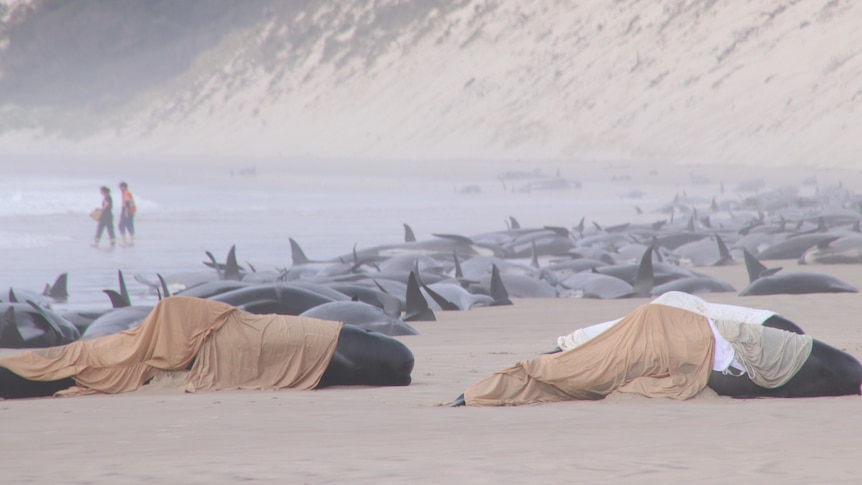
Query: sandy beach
x=405, y=435
x=401, y=435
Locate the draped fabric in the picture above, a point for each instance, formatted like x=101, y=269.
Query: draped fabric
x=771, y=357
x=230, y=349
x=656, y=351
x=678, y=299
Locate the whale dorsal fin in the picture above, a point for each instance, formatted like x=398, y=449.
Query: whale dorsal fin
x=297, y=254
x=214, y=264
x=58, y=290
x=580, y=226
x=165, y=291
x=459, y=273
x=124, y=293
x=724, y=256
x=231, y=267
x=117, y=300
x=409, y=236
x=755, y=268
x=645, y=279
x=498, y=289
x=417, y=307
x=9, y=334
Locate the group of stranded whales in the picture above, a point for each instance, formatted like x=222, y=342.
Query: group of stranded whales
x=378, y=290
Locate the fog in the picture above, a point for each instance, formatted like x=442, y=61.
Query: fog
x=249, y=123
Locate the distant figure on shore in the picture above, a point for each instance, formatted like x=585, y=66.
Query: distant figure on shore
x=127, y=216
x=106, y=218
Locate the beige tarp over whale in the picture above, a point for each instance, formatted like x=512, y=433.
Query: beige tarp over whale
x=230, y=349
x=657, y=351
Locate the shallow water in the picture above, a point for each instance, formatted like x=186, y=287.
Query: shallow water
x=187, y=209
x=45, y=229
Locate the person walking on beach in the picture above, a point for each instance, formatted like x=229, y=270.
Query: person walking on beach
x=127, y=216
x=106, y=219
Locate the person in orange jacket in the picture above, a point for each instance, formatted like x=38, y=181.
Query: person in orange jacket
x=127, y=216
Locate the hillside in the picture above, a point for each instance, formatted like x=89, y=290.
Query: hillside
x=699, y=81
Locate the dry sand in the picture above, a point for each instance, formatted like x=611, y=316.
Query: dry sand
x=401, y=435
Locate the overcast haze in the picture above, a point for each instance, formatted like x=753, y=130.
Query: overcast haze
x=334, y=123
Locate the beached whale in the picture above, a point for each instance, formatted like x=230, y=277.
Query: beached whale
x=58, y=292
x=443, y=244
x=27, y=325
x=178, y=282
x=694, y=285
x=827, y=371
x=596, y=285
x=372, y=296
x=215, y=344
x=764, y=281
x=362, y=315
x=279, y=298
x=675, y=347
x=705, y=252
x=844, y=250
x=795, y=246
x=116, y=320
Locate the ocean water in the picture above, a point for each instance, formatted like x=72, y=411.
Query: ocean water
x=45, y=229
x=186, y=209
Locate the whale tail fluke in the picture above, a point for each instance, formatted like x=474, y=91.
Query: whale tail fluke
x=457, y=402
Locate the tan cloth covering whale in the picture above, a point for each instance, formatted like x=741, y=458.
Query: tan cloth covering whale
x=656, y=351
x=230, y=349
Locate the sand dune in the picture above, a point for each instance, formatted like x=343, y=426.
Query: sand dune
x=759, y=83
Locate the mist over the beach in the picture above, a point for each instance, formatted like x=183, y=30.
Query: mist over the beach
x=248, y=123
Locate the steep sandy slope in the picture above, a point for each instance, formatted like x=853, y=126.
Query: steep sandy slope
x=755, y=82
